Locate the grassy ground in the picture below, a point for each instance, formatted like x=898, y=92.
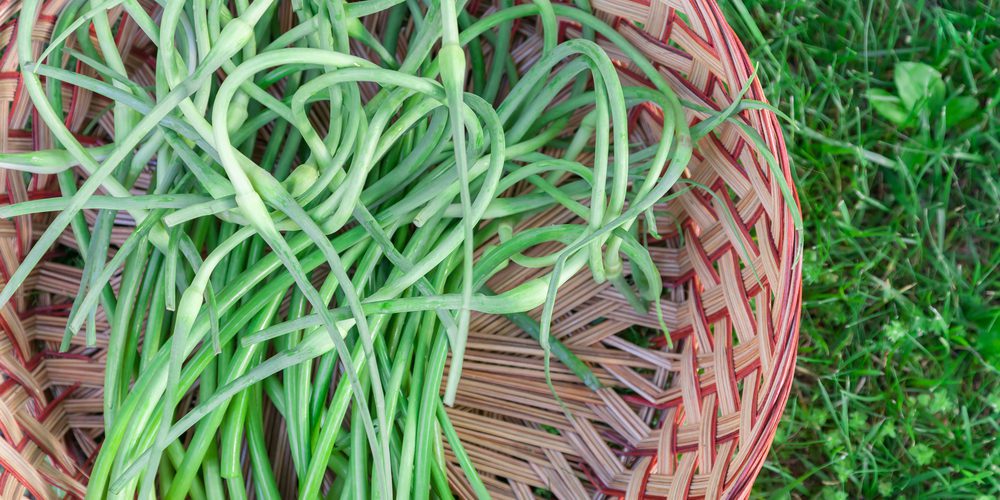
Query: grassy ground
x=897, y=390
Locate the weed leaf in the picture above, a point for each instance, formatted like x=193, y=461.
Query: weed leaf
x=959, y=108
x=919, y=84
x=889, y=106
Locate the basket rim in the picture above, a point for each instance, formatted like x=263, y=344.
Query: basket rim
x=739, y=67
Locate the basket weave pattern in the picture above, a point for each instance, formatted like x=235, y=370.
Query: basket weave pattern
x=692, y=419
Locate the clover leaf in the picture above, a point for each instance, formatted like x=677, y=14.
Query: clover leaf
x=920, y=95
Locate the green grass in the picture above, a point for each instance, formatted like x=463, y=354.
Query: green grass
x=897, y=391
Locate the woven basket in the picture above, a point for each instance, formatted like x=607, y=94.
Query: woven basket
x=692, y=420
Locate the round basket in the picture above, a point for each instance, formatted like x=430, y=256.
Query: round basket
x=694, y=418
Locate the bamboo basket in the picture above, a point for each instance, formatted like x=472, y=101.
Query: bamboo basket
x=695, y=419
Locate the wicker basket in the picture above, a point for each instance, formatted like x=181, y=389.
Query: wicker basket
x=695, y=420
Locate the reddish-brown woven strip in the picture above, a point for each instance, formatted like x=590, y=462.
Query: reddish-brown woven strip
x=693, y=420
